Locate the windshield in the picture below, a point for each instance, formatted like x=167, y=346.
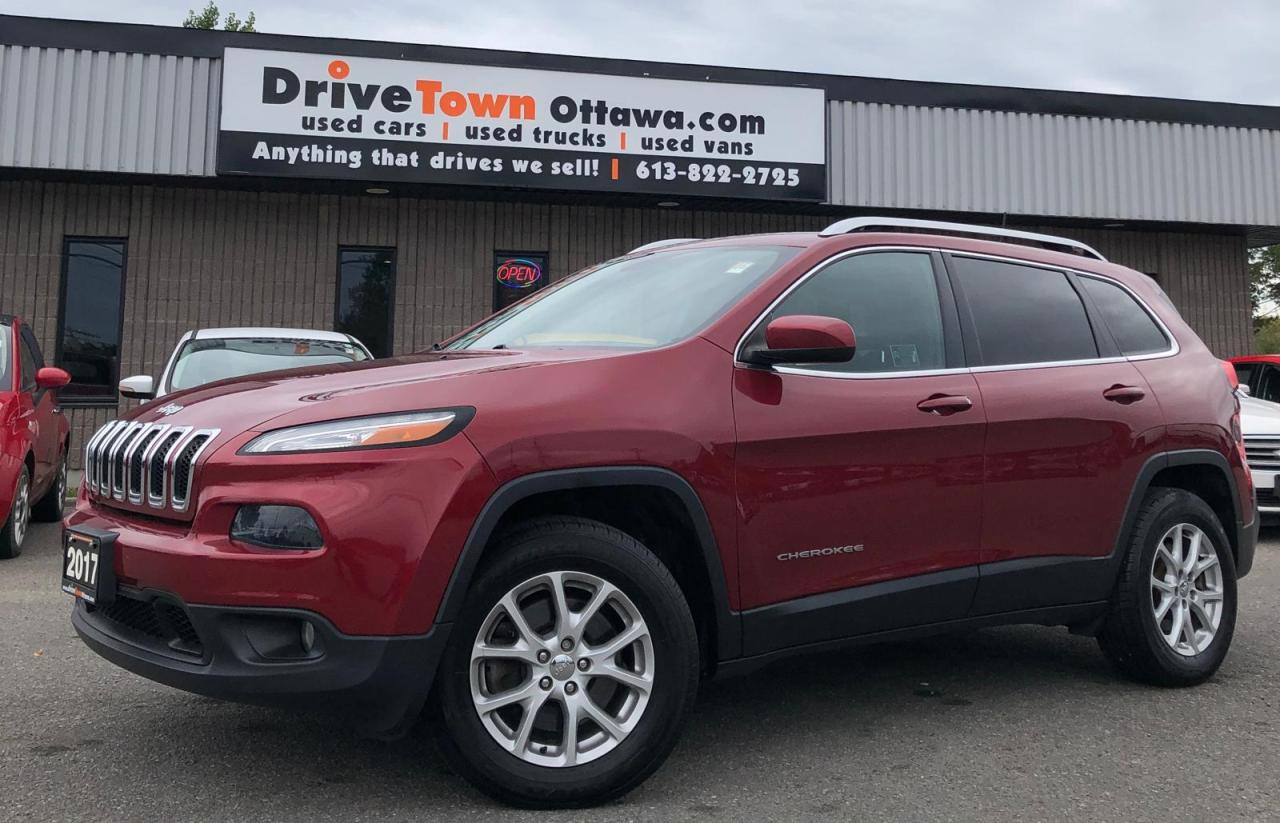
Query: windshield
x=635, y=303
x=204, y=361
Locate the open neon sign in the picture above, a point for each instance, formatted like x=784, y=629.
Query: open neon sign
x=519, y=273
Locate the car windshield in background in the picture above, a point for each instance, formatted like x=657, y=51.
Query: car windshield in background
x=204, y=361
x=636, y=302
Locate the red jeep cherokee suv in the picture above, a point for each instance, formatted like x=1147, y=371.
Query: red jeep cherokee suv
x=674, y=464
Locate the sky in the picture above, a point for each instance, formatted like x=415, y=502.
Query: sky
x=1194, y=49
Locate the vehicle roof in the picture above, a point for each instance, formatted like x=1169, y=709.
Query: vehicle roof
x=1256, y=358
x=955, y=242
x=268, y=333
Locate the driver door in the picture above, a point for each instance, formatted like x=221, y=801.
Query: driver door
x=859, y=484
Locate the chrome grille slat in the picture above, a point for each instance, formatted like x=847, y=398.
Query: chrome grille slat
x=104, y=457
x=1263, y=453
x=135, y=463
x=152, y=464
x=90, y=455
x=116, y=458
x=195, y=444
x=160, y=462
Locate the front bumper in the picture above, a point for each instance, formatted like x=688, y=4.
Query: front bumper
x=253, y=655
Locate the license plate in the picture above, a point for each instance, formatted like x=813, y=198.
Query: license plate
x=88, y=569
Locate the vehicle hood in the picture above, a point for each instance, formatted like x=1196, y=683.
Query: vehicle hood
x=308, y=395
x=1259, y=417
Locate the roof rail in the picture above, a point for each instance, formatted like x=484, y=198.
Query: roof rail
x=662, y=244
x=852, y=224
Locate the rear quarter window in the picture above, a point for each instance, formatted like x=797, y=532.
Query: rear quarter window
x=1133, y=328
x=1023, y=314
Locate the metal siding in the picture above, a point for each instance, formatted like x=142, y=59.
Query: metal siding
x=84, y=110
x=965, y=160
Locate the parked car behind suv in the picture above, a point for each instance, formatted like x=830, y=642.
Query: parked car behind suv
x=208, y=355
x=680, y=463
x=34, y=436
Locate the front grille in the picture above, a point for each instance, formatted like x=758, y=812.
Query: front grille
x=153, y=622
x=1263, y=453
x=1268, y=499
x=151, y=463
x=182, y=467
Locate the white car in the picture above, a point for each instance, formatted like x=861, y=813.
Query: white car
x=1260, y=424
x=205, y=355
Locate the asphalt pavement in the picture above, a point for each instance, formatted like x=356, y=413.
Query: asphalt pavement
x=1019, y=724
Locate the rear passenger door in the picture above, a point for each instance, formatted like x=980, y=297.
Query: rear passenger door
x=1070, y=422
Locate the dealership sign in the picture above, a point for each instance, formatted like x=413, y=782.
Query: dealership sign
x=290, y=114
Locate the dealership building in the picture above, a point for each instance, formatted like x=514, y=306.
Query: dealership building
x=155, y=180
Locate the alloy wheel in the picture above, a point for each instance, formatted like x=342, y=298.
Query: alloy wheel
x=1187, y=589
x=562, y=669
x=21, y=509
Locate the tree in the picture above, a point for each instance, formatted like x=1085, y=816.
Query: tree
x=208, y=19
x=1264, y=280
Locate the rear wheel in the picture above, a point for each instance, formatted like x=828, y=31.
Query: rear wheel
x=570, y=669
x=1174, y=614
x=49, y=508
x=15, y=528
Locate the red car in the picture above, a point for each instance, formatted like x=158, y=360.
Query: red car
x=34, y=436
x=676, y=464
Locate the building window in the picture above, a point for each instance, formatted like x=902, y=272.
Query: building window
x=90, y=318
x=516, y=275
x=366, y=286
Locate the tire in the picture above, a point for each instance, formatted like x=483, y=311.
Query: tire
x=15, y=525
x=49, y=508
x=1141, y=629
x=581, y=558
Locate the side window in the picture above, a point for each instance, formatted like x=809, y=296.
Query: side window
x=1023, y=314
x=1269, y=384
x=1246, y=373
x=29, y=341
x=29, y=365
x=1133, y=328
x=891, y=301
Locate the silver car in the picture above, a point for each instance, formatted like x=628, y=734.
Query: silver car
x=205, y=355
x=1260, y=423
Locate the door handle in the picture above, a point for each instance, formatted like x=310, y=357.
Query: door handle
x=945, y=404
x=1124, y=395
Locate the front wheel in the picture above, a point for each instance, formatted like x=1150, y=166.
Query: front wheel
x=570, y=669
x=1174, y=613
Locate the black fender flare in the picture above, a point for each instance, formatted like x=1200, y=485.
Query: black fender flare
x=1243, y=531
x=728, y=622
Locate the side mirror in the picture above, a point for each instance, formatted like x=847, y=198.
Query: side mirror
x=138, y=387
x=1243, y=390
x=52, y=377
x=804, y=338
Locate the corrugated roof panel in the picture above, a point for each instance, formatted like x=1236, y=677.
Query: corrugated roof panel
x=912, y=157
x=82, y=109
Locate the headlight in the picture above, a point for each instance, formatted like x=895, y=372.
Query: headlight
x=380, y=431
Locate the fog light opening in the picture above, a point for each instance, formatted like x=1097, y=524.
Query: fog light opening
x=308, y=636
x=276, y=527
